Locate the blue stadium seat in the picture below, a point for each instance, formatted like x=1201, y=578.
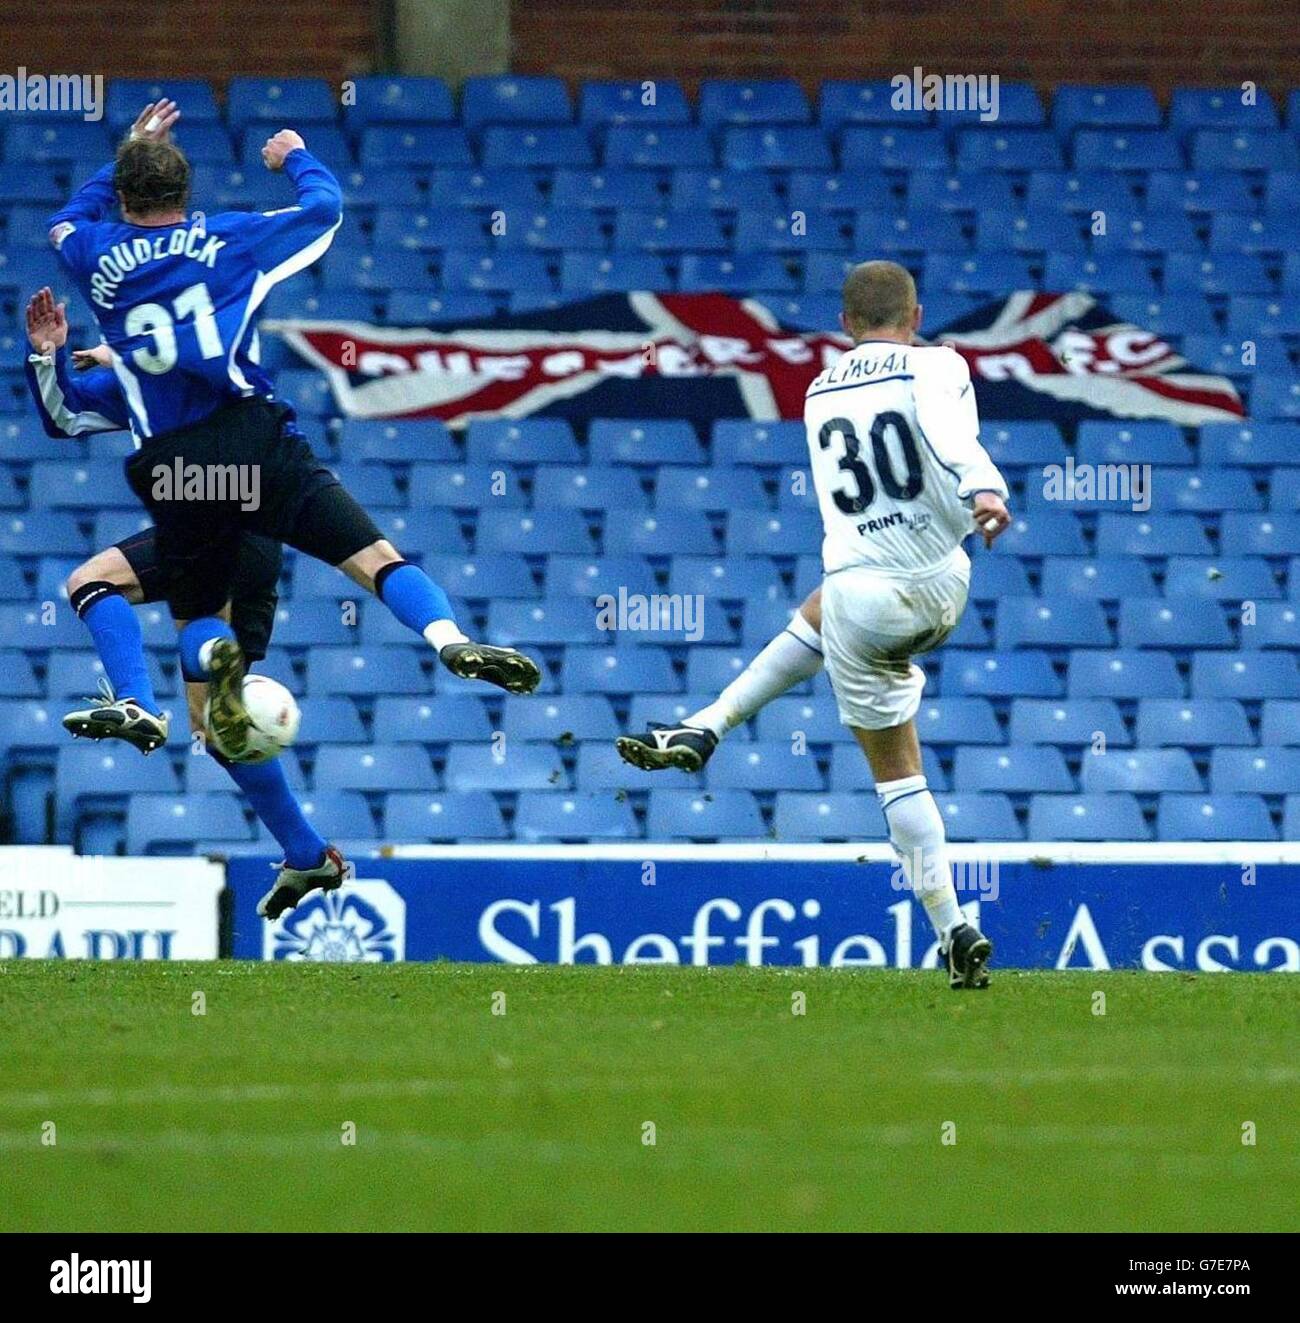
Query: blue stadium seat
x=1193, y=108
x=996, y=148
x=704, y=272
x=693, y=815
x=368, y=670
x=998, y=675
x=1192, y=722
x=956, y=721
x=413, y=147
x=469, y=815
x=993, y=274
x=643, y=441
x=961, y=192
x=166, y=824
x=29, y=184
x=791, y=714
x=776, y=147
x=697, y=488
x=1220, y=274
x=1279, y=721
x=1261, y=771
x=17, y=678
x=599, y=190
x=274, y=102
x=1046, y=622
x=1272, y=235
x=428, y=231
x=1115, y=106
x=1224, y=578
x=1043, y=533
x=305, y=622
x=723, y=190
x=658, y=533
x=886, y=232
x=891, y=148
x=588, y=576
x=1284, y=491
x=620, y=670
x=533, y=532
x=502, y=188
x=757, y=101
x=1102, y=578
x=1068, y=722
x=521, y=441
x=329, y=720
x=552, y=620
x=1251, y=316
x=1276, y=397
x=51, y=142
x=416, y=307
x=126, y=97
x=42, y=533
x=1249, y=445
x=747, y=578
x=464, y=487
x=1033, y=232
x=1018, y=106
x=762, y=765
x=504, y=767
x=83, y=771
x=393, y=99
x=514, y=99
x=374, y=767
x=1247, y=675
x=599, y=767
x=430, y=719
x=371, y=484
x=1131, y=443
x=1173, y=622
x=978, y=817
x=629, y=101
x=841, y=102
x=741, y=441
x=1150, y=535
x=1168, y=314
x=598, y=815
x=669, y=231
x=563, y=718
x=482, y=576
x=1011, y=768
x=336, y=814
x=658, y=147
x=1126, y=149
x=1214, y=818
x=600, y=273
x=804, y=815
x=1100, y=273
x=1243, y=149
x=566, y=145
x=588, y=488
x=1276, y=625
x=1140, y=771
x=420, y=531
x=785, y=533
x=1016, y=442
x=1087, y=817
x=1123, y=674
x=1073, y=191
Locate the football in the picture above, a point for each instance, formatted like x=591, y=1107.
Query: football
x=274, y=714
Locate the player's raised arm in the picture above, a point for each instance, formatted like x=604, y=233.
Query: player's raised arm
x=68, y=405
x=950, y=421
x=285, y=241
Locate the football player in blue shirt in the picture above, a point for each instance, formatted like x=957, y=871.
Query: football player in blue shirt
x=176, y=298
x=89, y=401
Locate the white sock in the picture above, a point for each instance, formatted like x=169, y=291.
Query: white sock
x=794, y=655
x=916, y=830
x=442, y=632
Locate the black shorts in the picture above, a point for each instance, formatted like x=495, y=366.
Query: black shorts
x=254, y=589
x=242, y=470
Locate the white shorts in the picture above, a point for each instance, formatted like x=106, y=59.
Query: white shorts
x=873, y=625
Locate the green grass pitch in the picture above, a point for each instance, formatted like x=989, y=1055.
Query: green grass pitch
x=539, y=1118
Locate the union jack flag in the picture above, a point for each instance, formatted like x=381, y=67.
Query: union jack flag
x=705, y=356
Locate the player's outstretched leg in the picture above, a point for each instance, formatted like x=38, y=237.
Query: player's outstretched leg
x=795, y=654
x=334, y=528
x=210, y=653
x=127, y=709
x=292, y=884
x=422, y=606
x=917, y=834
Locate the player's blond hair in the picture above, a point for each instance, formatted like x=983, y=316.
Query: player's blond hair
x=879, y=296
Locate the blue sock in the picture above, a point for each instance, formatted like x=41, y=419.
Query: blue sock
x=412, y=596
x=113, y=625
x=266, y=788
x=193, y=637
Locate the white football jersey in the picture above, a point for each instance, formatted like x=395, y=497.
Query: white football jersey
x=893, y=433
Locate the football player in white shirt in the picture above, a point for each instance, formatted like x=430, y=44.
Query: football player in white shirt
x=901, y=480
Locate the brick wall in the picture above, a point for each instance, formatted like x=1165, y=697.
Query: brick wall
x=1045, y=41
x=202, y=38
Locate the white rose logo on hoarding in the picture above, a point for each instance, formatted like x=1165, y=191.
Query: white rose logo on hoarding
x=362, y=922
